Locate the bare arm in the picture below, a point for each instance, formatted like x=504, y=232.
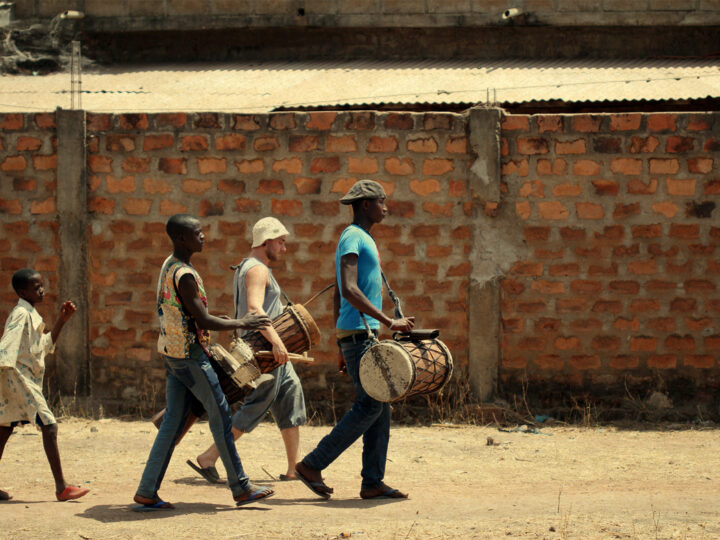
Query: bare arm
x=66, y=311
x=352, y=293
x=190, y=298
x=256, y=281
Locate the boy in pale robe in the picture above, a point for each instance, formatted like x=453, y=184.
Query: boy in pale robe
x=23, y=347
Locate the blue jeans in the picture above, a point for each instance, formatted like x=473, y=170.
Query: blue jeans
x=187, y=377
x=284, y=398
x=367, y=417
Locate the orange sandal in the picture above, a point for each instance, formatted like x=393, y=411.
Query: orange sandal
x=71, y=492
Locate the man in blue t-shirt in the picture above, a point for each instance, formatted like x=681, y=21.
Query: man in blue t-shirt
x=358, y=294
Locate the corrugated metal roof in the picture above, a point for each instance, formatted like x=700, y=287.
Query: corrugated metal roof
x=260, y=87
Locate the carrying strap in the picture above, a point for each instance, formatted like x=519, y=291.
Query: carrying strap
x=236, y=268
x=236, y=291
x=398, y=310
x=393, y=297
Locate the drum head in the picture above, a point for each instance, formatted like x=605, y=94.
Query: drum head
x=307, y=323
x=241, y=350
x=387, y=371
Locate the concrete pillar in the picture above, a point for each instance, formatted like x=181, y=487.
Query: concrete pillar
x=73, y=351
x=484, y=290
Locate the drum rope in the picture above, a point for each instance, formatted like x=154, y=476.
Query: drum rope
x=398, y=309
x=318, y=294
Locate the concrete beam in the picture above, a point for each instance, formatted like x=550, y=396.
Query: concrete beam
x=484, y=291
x=73, y=351
x=484, y=338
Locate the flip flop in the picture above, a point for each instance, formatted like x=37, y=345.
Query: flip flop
x=252, y=494
x=315, y=486
x=160, y=505
x=208, y=473
x=286, y=478
x=71, y=492
x=389, y=493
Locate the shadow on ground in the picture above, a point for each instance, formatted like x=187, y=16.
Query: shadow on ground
x=114, y=513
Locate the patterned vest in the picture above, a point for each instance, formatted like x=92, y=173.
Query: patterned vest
x=178, y=329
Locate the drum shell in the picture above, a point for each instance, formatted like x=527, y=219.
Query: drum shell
x=232, y=391
x=226, y=364
x=395, y=370
x=296, y=329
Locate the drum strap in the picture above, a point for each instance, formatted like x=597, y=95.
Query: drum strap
x=236, y=268
x=398, y=309
x=393, y=297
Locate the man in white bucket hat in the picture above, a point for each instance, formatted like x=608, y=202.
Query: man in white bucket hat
x=255, y=290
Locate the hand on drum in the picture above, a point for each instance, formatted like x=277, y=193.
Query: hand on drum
x=402, y=325
x=280, y=352
x=251, y=321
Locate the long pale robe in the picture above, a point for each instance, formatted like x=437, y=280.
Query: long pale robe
x=23, y=347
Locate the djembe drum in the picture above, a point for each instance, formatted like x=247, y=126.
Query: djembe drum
x=251, y=356
x=395, y=369
x=296, y=329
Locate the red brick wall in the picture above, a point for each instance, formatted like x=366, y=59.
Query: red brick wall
x=28, y=226
x=232, y=170
x=622, y=271
x=617, y=278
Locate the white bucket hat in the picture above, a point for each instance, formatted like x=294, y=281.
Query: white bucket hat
x=267, y=228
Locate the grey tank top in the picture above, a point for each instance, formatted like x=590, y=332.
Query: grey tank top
x=272, y=304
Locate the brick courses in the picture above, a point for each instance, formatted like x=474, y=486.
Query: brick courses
x=616, y=214
x=233, y=169
x=28, y=227
x=620, y=277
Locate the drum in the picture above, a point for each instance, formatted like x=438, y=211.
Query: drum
x=296, y=329
x=237, y=374
x=235, y=369
x=397, y=369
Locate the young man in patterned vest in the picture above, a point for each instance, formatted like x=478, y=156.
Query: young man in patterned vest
x=184, y=337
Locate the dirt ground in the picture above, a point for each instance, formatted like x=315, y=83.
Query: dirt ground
x=562, y=482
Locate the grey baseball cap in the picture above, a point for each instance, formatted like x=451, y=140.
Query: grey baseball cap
x=364, y=189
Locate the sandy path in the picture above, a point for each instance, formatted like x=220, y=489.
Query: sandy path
x=561, y=483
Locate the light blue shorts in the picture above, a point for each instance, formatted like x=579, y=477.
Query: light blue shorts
x=284, y=399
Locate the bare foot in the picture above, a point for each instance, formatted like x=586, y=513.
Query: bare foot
x=382, y=492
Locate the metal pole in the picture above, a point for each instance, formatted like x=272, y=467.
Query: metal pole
x=76, y=76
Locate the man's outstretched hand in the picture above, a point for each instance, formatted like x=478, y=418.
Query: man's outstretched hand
x=251, y=321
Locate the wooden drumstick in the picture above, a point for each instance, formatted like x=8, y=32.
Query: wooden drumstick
x=267, y=355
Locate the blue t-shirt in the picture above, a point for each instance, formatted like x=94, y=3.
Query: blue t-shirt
x=356, y=240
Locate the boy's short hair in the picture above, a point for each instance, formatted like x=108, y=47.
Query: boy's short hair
x=21, y=279
x=178, y=224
